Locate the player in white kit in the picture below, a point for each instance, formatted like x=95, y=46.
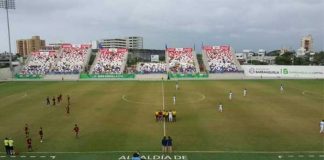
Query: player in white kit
x=220, y=107
x=174, y=100
x=281, y=88
x=170, y=116
x=322, y=126
x=177, y=85
x=230, y=95
x=244, y=92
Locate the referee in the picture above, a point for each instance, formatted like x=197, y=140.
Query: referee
x=6, y=144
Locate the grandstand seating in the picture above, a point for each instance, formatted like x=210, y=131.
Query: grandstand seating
x=71, y=60
x=39, y=62
x=151, y=68
x=220, y=59
x=110, y=61
x=181, y=60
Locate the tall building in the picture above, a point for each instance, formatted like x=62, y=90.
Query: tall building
x=26, y=46
x=307, y=43
x=134, y=42
x=127, y=42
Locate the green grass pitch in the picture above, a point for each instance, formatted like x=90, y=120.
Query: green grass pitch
x=117, y=118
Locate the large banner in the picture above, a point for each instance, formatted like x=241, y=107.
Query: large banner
x=113, y=50
x=154, y=58
x=196, y=75
x=278, y=71
x=107, y=76
x=28, y=76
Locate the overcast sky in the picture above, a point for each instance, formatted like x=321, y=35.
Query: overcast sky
x=244, y=24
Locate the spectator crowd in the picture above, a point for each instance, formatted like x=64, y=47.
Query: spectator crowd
x=181, y=60
x=39, y=62
x=152, y=67
x=220, y=59
x=110, y=61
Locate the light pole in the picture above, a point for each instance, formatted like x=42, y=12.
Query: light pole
x=8, y=4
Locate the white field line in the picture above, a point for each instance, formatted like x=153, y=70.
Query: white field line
x=155, y=151
x=163, y=107
x=201, y=98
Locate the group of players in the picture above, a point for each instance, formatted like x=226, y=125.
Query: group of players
x=28, y=138
x=230, y=96
x=168, y=116
x=59, y=100
x=8, y=142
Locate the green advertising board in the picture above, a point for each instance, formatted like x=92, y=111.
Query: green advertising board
x=29, y=76
x=106, y=76
x=179, y=75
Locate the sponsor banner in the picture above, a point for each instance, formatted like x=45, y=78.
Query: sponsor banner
x=179, y=49
x=179, y=75
x=66, y=45
x=29, y=76
x=156, y=157
x=85, y=46
x=102, y=76
x=154, y=58
x=277, y=71
x=113, y=50
x=224, y=48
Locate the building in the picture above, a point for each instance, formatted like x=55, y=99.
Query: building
x=300, y=52
x=134, y=42
x=307, y=43
x=127, y=42
x=26, y=46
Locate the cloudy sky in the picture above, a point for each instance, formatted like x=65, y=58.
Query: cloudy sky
x=244, y=24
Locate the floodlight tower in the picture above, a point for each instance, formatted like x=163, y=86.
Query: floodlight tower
x=8, y=4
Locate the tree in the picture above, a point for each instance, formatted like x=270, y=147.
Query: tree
x=319, y=58
x=285, y=59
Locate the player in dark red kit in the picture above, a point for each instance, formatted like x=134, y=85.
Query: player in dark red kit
x=53, y=101
x=41, y=133
x=76, y=130
x=68, y=98
x=60, y=98
x=26, y=130
x=68, y=109
x=48, y=101
x=29, y=145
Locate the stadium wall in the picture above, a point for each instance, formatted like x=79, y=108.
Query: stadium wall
x=281, y=71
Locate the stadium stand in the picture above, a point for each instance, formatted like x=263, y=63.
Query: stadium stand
x=181, y=60
x=151, y=67
x=220, y=59
x=110, y=61
x=72, y=59
x=39, y=62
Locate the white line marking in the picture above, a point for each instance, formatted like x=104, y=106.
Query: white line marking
x=321, y=156
x=42, y=156
x=311, y=156
x=291, y=156
x=53, y=157
x=163, y=107
x=201, y=98
x=22, y=156
x=2, y=156
x=32, y=156
x=300, y=156
x=13, y=156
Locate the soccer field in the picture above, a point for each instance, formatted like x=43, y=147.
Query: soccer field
x=117, y=118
